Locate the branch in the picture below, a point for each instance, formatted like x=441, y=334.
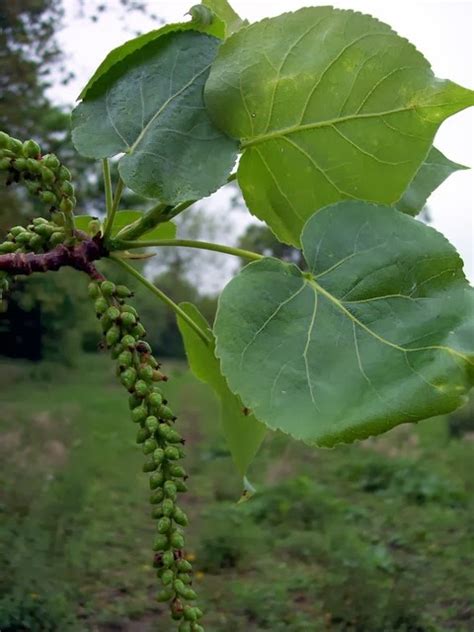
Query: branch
x=80, y=257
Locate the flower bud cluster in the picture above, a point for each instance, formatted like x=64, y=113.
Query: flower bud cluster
x=43, y=175
x=39, y=236
x=162, y=445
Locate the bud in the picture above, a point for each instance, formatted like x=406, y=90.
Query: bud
x=15, y=145
x=146, y=373
x=67, y=188
x=185, y=626
x=181, y=486
x=20, y=164
x=125, y=359
x=155, y=400
x=177, y=471
x=7, y=247
x=57, y=238
x=184, y=566
x=113, y=313
x=5, y=164
x=48, y=197
x=128, y=341
x=122, y=291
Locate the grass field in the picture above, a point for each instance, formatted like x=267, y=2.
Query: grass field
x=375, y=537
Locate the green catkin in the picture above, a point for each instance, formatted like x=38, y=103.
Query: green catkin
x=43, y=176
x=160, y=442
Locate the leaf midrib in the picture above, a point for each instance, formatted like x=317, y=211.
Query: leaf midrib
x=292, y=129
x=318, y=288
x=169, y=100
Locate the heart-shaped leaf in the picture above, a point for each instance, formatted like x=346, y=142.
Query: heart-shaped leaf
x=433, y=172
x=117, y=55
x=380, y=331
x=329, y=105
x=153, y=112
x=244, y=434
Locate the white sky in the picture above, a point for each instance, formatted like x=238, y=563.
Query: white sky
x=442, y=30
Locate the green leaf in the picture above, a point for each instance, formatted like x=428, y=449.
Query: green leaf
x=379, y=331
x=166, y=230
x=153, y=112
x=232, y=21
x=82, y=222
x=329, y=105
x=117, y=55
x=243, y=432
x=433, y=172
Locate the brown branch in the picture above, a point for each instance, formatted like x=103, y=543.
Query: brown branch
x=80, y=257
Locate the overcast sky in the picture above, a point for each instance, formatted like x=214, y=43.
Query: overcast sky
x=442, y=30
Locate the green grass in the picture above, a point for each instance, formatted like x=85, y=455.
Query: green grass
x=373, y=537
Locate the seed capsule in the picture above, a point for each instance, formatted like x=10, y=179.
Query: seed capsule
x=4, y=140
x=170, y=490
x=31, y=149
x=167, y=559
x=125, y=359
x=185, y=626
x=171, y=453
x=7, y=247
x=164, y=595
x=51, y=161
x=141, y=388
x=167, y=507
x=67, y=188
x=181, y=486
x=177, y=471
x=128, y=341
x=64, y=173
x=142, y=436
x=177, y=540
x=157, y=496
x=128, y=320
x=5, y=164
x=146, y=373
x=164, y=525
x=155, y=400
x=167, y=577
x=149, y=466
x=113, y=313
x=184, y=577
x=160, y=543
x=112, y=336
x=156, y=480
x=100, y=305
x=47, y=175
x=152, y=424
x=20, y=164
x=184, y=566
x=166, y=413
x=48, y=197
x=122, y=291
x=67, y=204
x=108, y=288
x=149, y=446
